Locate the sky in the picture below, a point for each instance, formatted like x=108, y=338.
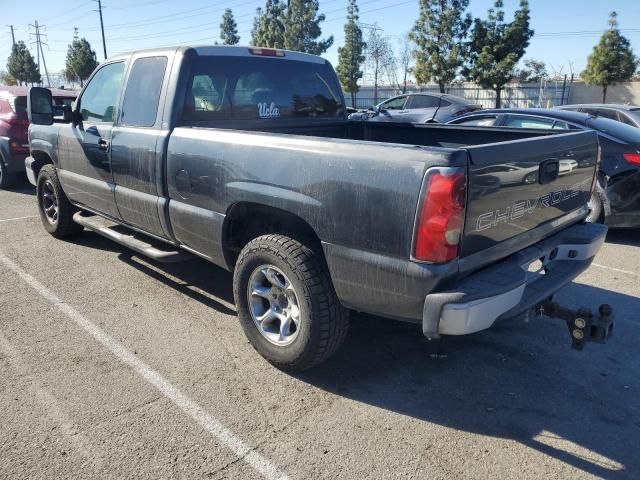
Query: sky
x=565, y=30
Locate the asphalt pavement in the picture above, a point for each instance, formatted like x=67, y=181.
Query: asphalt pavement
x=112, y=366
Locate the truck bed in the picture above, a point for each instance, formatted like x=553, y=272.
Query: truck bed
x=506, y=199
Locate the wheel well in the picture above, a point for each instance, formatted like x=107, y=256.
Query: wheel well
x=246, y=221
x=40, y=160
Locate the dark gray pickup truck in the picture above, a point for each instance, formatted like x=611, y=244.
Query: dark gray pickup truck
x=243, y=156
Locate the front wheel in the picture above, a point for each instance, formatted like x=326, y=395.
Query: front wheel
x=56, y=212
x=286, y=303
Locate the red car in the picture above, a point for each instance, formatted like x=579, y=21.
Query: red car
x=14, y=146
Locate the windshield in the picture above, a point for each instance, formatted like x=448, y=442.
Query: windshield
x=20, y=105
x=260, y=88
x=616, y=129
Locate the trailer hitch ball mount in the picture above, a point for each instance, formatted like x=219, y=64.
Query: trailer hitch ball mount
x=584, y=326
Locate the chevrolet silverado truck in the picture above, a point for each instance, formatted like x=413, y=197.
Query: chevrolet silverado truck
x=244, y=156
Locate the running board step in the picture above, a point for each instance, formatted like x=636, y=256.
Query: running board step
x=95, y=223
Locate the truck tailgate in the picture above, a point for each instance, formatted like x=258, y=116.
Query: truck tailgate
x=523, y=190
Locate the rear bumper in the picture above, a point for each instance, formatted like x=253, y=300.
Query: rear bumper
x=28, y=166
x=507, y=289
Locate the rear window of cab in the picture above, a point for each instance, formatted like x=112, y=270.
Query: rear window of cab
x=245, y=88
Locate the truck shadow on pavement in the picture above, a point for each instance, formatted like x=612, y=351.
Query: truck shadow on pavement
x=624, y=236
x=517, y=381
x=23, y=188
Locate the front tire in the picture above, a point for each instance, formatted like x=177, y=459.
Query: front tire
x=286, y=303
x=56, y=212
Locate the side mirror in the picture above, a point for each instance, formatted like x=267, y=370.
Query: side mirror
x=40, y=106
x=66, y=114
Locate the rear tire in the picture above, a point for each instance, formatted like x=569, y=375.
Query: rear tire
x=7, y=179
x=282, y=281
x=56, y=212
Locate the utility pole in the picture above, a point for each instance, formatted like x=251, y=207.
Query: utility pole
x=13, y=37
x=40, y=51
x=104, y=44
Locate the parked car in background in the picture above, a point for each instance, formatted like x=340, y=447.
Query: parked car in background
x=616, y=200
x=629, y=114
x=14, y=145
x=418, y=108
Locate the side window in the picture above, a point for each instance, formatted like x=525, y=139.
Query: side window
x=477, y=122
x=98, y=100
x=625, y=119
x=142, y=94
x=559, y=124
x=523, y=121
x=423, y=101
x=394, y=103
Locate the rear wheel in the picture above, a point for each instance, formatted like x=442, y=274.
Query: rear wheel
x=286, y=303
x=56, y=212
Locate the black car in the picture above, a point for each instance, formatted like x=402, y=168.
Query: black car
x=616, y=201
x=629, y=114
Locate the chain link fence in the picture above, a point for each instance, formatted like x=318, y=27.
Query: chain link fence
x=528, y=95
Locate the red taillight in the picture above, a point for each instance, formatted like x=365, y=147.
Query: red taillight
x=633, y=159
x=266, y=52
x=441, y=216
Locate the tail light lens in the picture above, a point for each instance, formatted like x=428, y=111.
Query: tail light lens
x=440, y=218
x=632, y=158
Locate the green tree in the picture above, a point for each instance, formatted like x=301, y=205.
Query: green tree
x=533, y=71
x=255, y=29
x=351, y=55
x=439, y=35
x=302, y=28
x=7, y=79
x=612, y=59
x=81, y=61
x=270, y=31
x=496, y=47
x=22, y=66
x=229, y=29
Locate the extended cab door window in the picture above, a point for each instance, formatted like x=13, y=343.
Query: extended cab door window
x=142, y=95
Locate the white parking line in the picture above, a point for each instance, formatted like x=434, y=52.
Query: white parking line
x=225, y=436
x=19, y=218
x=613, y=269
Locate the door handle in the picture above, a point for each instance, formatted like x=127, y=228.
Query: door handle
x=103, y=144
